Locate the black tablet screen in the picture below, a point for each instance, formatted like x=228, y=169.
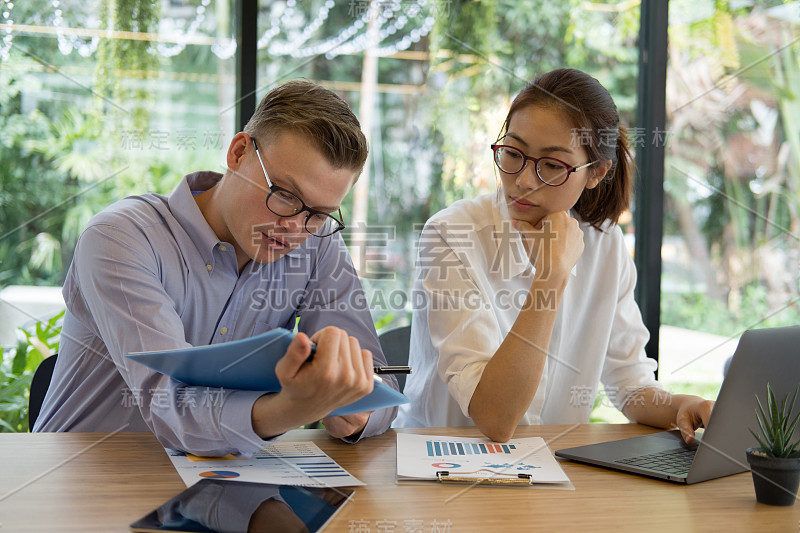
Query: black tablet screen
x=213, y=505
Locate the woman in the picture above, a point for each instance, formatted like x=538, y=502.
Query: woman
x=528, y=293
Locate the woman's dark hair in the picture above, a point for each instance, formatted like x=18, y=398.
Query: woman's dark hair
x=596, y=122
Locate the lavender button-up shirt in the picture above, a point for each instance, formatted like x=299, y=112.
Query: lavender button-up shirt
x=150, y=274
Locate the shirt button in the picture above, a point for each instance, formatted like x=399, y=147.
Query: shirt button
x=223, y=331
x=209, y=268
x=222, y=248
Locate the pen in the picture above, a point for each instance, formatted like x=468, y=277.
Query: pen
x=392, y=369
x=377, y=369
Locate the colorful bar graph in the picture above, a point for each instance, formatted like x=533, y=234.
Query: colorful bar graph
x=438, y=448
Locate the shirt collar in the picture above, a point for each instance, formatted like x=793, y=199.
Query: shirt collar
x=187, y=213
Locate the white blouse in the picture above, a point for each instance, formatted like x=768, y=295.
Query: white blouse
x=473, y=275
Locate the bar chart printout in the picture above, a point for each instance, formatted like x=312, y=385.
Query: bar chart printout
x=438, y=448
x=280, y=462
x=420, y=457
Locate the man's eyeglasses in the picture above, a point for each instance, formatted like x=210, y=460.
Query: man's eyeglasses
x=287, y=204
x=551, y=171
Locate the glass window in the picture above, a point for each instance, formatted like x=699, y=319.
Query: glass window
x=97, y=103
x=730, y=250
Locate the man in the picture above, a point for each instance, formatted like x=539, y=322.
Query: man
x=225, y=257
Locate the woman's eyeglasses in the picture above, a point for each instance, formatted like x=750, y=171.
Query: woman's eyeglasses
x=551, y=171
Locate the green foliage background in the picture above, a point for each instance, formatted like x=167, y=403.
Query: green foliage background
x=17, y=366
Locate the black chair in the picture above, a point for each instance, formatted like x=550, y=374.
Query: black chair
x=395, y=345
x=39, y=385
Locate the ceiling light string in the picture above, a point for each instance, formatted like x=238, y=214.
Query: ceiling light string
x=310, y=28
x=406, y=42
x=167, y=27
x=287, y=48
x=281, y=19
x=360, y=43
x=68, y=43
x=398, y=23
x=7, y=23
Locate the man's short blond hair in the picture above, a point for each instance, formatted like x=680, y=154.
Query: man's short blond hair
x=305, y=108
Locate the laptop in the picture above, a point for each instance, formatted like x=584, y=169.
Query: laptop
x=763, y=355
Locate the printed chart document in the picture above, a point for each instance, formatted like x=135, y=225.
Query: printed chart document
x=420, y=457
x=281, y=463
x=249, y=364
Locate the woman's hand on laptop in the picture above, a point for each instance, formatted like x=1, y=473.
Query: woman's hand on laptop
x=656, y=407
x=693, y=413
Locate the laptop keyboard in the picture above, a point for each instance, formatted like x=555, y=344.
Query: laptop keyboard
x=675, y=462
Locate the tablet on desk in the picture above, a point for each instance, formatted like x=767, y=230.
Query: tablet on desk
x=218, y=506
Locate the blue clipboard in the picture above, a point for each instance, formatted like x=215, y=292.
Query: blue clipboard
x=248, y=364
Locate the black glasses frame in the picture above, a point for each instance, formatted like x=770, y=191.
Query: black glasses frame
x=338, y=224
x=570, y=168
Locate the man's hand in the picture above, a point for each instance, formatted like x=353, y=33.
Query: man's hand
x=344, y=426
x=339, y=374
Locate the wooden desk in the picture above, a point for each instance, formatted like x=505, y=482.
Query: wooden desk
x=99, y=482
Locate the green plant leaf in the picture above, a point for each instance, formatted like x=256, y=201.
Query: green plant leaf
x=761, y=424
x=19, y=362
x=758, y=439
x=384, y=322
x=763, y=420
x=788, y=412
x=772, y=408
x=51, y=324
x=792, y=426
x=777, y=425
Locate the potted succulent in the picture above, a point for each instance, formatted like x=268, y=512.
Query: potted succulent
x=776, y=464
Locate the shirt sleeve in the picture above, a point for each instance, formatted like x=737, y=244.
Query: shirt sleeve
x=627, y=368
x=120, y=283
x=463, y=328
x=334, y=297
